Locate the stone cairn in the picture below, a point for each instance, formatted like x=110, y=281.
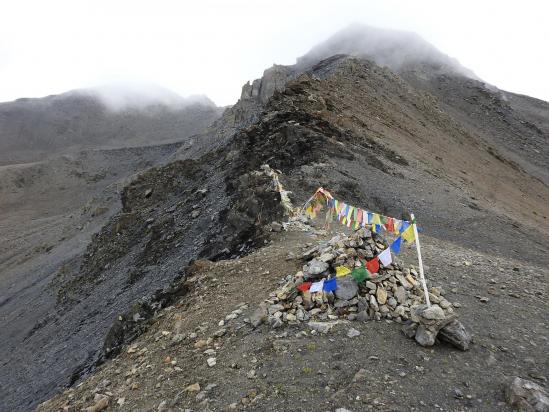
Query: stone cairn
x=395, y=293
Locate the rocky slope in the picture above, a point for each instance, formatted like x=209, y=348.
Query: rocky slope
x=356, y=365
x=50, y=208
x=388, y=140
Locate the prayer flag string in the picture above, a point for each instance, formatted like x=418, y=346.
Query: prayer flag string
x=356, y=218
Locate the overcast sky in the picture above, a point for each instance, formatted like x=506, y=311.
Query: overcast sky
x=213, y=47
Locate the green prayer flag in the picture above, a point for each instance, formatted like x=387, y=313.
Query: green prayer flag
x=360, y=274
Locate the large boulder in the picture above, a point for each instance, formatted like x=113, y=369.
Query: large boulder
x=455, y=334
x=526, y=396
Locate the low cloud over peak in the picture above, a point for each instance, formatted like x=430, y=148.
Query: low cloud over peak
x=124, y=96
x=395, y=49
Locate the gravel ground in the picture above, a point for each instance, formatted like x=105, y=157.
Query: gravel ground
x=291, y=369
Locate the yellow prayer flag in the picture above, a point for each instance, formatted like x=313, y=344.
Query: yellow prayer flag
x=376, y=219
x=408, y=235
x=342, y=271
x=350, y=212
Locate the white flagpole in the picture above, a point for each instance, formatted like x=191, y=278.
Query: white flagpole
x=421, y=275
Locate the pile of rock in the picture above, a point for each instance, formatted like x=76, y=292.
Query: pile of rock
x=428, y=323
x=393, y=294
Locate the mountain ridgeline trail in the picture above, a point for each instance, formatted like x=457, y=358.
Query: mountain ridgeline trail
x=469, y=160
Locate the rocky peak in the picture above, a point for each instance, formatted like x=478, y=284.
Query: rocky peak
x=397, y=50
x=260, y=90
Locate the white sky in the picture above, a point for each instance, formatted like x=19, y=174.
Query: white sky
x=213, y=47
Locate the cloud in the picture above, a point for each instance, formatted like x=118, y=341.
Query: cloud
x=392, y=48
x=122, y=96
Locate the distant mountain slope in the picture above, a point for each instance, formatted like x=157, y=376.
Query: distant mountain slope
x=517, y=125
x=534, y=110
x=31, y=129
x=511, y=123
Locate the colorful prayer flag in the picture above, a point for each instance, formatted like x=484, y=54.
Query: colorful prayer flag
x=395, y=247
x=304, y=286
x=373, y=265
x=317, y=286
x=385, y=257
x=337, y=206
x=342, y=271
x=408, y=235
x=360, y=274
x=349, y=212
x=390, y=225
x=330, y=285
x=364, y=218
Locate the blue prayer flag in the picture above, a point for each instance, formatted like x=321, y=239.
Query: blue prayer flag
x=378, y=228
x=330, y=285
x=405, y=225
x=395, y=247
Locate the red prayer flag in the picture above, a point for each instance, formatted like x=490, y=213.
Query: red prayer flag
x=390, y=225
x=359, y=216
x=304, y=286
x=373, y=265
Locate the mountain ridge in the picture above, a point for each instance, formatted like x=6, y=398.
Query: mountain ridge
x=390, y=142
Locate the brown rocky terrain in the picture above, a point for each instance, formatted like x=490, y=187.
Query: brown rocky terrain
x=416, y=136
x=292, y=367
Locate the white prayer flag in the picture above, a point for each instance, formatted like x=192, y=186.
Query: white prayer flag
x=317, y=286
x=385, y=257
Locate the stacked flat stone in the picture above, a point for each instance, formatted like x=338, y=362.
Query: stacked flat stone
x=395, y=293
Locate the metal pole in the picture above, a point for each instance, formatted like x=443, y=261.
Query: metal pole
x=421, y=275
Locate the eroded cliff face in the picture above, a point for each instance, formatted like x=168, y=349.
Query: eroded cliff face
x=274, y=79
